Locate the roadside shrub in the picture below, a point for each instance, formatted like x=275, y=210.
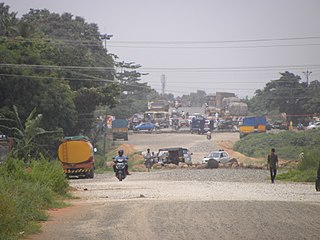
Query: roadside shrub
x=99, y=161
x=49, y=174
x=311, y=160
x=26, y=192
x=307, y=168
x=288, y=144
x=10, y=223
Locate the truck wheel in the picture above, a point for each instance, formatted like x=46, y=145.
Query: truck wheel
x=318, y=185
x=213, y=164
x=91, y=174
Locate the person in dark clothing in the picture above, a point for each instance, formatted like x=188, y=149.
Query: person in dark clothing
x=273, y=164
x=318, y=179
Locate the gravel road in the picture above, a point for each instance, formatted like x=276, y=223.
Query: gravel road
x=187, y=204
x=197, y=144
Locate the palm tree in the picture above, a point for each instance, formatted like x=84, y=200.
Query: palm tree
x=28, y=136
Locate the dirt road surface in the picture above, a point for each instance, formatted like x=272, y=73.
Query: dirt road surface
x=187, y=203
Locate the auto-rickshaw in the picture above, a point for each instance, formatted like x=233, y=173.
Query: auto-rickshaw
x=174, y=155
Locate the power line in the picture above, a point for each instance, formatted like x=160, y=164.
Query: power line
x=54, y=67
x=77, y=79
x=98, y=41
x=57, y=78
x=218, y=47
x=222, y=41
x=201, y=69
x=115, y=80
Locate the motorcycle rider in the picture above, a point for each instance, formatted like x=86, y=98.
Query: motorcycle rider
x=209, y=134
x=121, y=156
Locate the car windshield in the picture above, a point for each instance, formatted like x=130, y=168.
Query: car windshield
x=214, y=154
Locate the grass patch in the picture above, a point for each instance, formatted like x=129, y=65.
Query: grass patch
x=26, y=192
x=288, y=144
x=306, y=170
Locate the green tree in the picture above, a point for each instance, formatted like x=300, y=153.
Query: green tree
x=286, y=95
x=134, y=94
x=48, y=65
x=8, y=21
x=311, y=100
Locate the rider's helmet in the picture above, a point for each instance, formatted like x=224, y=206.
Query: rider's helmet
x=120, y=152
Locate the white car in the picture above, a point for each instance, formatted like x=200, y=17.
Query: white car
x=315, y=125
x=220, y=156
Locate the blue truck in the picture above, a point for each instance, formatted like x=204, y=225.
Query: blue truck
x=252, y=125
x=120, y=129
x=197, y=125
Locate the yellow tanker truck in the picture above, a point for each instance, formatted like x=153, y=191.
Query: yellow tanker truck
x=76, y=155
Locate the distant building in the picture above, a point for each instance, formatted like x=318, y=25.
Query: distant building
x=211, y=100
x=220, y=96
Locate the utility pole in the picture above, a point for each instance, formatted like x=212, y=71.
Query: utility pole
x=105, y=37
x=307, y=74
x=163, y=84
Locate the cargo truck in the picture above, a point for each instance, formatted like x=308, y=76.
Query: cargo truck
x=252, y=125
x=77, y=157
x=120, y=129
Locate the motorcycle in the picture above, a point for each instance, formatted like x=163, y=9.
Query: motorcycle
x=120, y=167
x=209, y=136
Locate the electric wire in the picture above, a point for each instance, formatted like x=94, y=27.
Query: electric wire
x=182, y=69
x=98, y=40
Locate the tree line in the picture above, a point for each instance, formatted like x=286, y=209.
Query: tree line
x=55, y=66
x=288, y=94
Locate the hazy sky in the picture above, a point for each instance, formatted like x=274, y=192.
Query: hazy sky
x=200, y=44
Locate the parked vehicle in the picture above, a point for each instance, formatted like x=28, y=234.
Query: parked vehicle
x=280, y=125
x=300, y=126
x=220, y=156
x=120, y=129
x=146, y=126
x=315, y=125
x=252, y=125
x=174, y=155
x=120, y=167
x=160, y=117
x=76, y=156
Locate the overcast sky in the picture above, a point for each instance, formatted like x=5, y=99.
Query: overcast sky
x=200, y=44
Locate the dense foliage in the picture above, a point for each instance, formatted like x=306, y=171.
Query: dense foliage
x=287, y=95
x=57, y=64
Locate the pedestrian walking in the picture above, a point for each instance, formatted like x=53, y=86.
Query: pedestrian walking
x=273, y=164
